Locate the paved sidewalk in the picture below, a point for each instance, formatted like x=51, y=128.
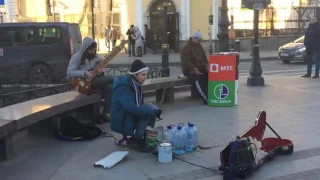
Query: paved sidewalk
x=292, y=105
x=174, y=58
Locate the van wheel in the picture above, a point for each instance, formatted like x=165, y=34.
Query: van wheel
x=40, y=74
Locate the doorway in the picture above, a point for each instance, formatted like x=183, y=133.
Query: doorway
x=157, y=21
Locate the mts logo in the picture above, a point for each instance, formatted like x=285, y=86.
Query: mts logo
x=216, y=68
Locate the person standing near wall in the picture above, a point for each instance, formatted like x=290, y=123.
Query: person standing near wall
x=132, y=42
x=107, y=37
x=113, y=36
x=138, y=39
x=149, y=40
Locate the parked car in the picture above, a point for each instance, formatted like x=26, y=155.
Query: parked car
x=38, y=52
x=294, y=51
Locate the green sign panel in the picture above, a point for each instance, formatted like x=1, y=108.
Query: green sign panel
x=221, y=93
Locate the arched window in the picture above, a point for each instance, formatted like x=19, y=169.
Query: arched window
x=157, y=7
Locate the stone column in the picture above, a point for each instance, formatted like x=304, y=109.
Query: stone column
x=139, y=15
x=188, y=19
x=184, y=20
x=215, y=12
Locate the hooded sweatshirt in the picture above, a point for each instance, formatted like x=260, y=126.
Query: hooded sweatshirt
x=78, y=69
x=138, y=35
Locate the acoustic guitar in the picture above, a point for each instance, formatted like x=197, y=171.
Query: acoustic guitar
x=83, y=85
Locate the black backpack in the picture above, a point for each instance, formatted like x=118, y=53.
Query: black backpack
x=71, y=130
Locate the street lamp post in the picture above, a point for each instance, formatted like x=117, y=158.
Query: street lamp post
x=255, y=78
x=92, y=19
x=223, y=35
x=165, y=46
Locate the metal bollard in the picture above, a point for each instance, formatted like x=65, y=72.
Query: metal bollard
x=165, y=61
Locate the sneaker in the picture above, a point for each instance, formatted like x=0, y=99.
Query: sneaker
x=205, y=102
x=106, y=117
x=315, y=76
x=306, y=75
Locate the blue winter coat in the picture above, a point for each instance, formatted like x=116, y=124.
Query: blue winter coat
x=124, y=109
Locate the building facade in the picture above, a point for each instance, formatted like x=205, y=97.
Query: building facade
x=184, y=16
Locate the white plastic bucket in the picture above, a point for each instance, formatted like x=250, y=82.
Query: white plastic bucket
x=165, y=153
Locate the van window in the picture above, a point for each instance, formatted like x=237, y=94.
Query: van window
x=17, y=36
x=48, y=35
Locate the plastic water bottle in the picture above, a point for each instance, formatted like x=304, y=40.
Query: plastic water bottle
x=192, y=134
x=168, y=134
x=179, y=140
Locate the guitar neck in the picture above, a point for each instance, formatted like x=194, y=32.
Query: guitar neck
x=106, y=60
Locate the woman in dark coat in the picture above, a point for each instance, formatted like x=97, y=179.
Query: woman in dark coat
x=130, y=116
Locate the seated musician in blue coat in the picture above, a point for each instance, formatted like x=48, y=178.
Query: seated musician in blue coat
x=130, y=116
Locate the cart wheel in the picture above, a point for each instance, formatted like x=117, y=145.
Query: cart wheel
x=270, y=157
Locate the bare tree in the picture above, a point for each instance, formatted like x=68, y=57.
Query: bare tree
x=84, y=11
x=270, y=16
x=301, y=12
x=48, y=9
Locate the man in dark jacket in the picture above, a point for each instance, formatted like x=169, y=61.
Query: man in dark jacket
x=132, y=42
x=130, y=116
x=148, y=40
x=194, y=64
x=312, y=44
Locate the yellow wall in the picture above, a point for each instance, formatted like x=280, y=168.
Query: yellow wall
x=33, y=8
x=199, y=17
x=28, y=10
x=131, y=12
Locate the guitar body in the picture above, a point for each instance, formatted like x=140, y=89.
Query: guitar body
x=82, y=85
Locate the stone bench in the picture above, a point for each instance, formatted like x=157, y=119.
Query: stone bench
x=20, y=116
x=165, y=87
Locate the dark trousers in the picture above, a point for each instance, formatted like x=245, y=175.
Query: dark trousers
x=114, y=43
x=139, y=51
x=309, y=60
x=131, y=48
x=104, y=83
x=149, y=45
x=316, y=59
x=142, y=125
x=200, y=81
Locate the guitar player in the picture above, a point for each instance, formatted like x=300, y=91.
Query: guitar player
x=81, y=65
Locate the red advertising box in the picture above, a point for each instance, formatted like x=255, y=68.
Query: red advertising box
x=222, y=68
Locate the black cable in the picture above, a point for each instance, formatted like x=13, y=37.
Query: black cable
x=214, y=170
